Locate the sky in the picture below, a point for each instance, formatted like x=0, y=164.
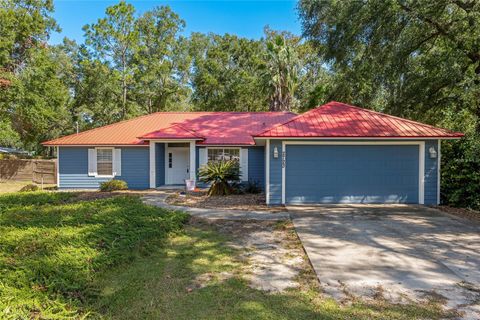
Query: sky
x=243, y=18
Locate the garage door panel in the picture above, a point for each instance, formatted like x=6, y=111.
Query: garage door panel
x=351, y=174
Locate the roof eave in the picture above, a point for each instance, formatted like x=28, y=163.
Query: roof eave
x=453, y=137
x=171, y=138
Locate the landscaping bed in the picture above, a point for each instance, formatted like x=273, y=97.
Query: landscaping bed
x=469, y=214
x=199, y=199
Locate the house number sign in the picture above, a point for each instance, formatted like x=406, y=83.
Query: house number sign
x=284, y=159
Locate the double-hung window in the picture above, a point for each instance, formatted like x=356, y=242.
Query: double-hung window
x=223, y=154
x=104, y=162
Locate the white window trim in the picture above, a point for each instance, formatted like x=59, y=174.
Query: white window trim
x=151, y=151
x=58, y=166
x=113, y=162
x=439, y=162
x=236, y=148
x=267, y=172
x=192, y=160
x=244, y=171
x=421, y=159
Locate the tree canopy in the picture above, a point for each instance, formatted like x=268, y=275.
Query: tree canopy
x=416, y=59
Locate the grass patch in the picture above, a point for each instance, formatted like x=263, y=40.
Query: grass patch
x=157, y=287
x=53, y=247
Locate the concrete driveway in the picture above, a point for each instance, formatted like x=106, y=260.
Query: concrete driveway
x=405, y=252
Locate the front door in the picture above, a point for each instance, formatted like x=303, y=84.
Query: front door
x=177, y=165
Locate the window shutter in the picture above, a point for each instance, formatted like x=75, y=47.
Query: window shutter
x=203, y=157
x=117, y=162
x=244, y=164
x=92, y=162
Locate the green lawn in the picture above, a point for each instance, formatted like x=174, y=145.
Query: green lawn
x=53, y=247
x=119, y=259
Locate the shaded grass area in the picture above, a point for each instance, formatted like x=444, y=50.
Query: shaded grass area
x=52, y=247
x=157, y=287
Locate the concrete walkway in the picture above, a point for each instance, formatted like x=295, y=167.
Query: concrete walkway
x=400, y=251
x=158, y=199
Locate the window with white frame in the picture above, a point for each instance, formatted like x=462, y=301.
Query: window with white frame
x=223, y=154
x=105, y=162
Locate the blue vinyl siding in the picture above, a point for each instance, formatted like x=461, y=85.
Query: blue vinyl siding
x=73, y=171
x=73, y=168
x=197, y=166
x=431, y=173
x=135, y=167
x=159, y=164
x=275, y=186
x=352, y=174
x=256, y=165
x=197, y=160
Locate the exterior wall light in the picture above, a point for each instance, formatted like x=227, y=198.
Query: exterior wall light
x=433, y=152
x=275, y=152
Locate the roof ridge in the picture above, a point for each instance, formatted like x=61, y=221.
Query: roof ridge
x=357, y=108
x=392, y=116
x=105, y=126
x=288, y=121
x=162, y=112
x=213, y=112
x=183, y=128
x=170, y=126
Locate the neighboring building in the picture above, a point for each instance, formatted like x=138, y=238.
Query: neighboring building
x=6, y=150
x=335, y=153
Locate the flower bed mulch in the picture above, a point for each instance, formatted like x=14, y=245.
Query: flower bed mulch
x=199, y=199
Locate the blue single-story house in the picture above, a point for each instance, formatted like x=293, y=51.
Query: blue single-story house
x=335, y=153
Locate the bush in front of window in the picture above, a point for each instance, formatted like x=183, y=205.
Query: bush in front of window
x=222, y=175
x=113, y=185
x=252, y=187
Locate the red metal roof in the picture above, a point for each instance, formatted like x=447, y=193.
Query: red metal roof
x=217, y=128
x=336, y=119
x=333, y=119
x=173, y=132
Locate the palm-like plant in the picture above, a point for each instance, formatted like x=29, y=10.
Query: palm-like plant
x=282, y=71
x=220, y=174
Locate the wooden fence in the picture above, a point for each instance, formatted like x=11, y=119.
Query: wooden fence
x=34, y=170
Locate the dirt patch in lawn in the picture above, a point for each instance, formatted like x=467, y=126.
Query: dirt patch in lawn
x=271, y=254
x=15, y=186
x=469, y=214
x=199, y=199
x=90, y=195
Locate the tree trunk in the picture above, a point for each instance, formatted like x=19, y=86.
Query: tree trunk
x=124, y=85
x=124, y=98
x=477, y=113
x=476, y=58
